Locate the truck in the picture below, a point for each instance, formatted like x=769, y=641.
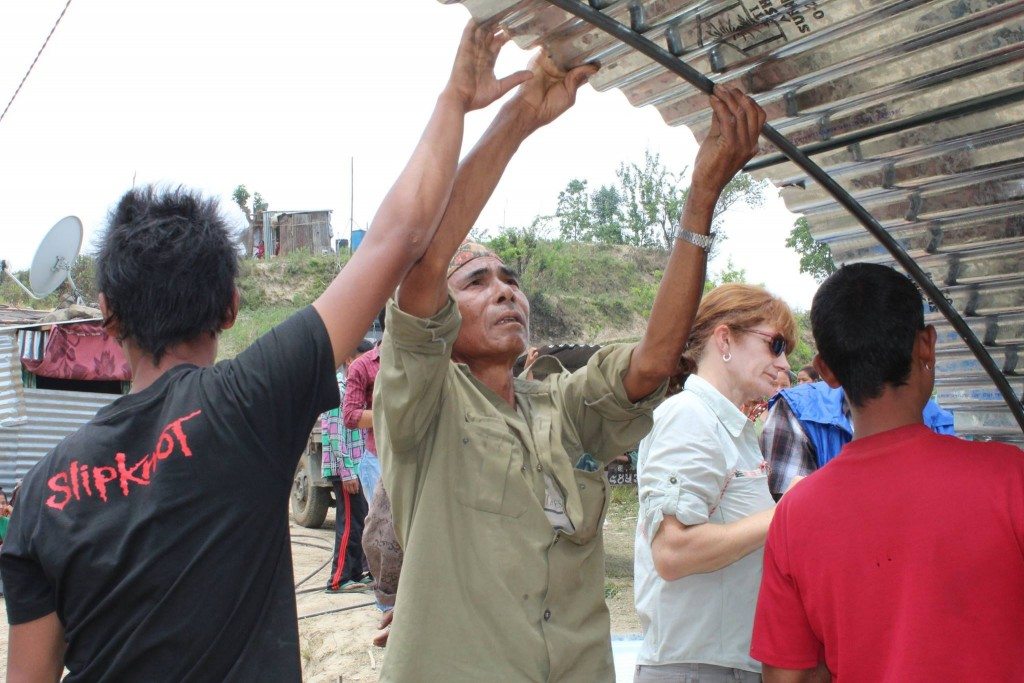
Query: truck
x=312, y=495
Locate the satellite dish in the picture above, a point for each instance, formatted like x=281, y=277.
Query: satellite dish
x=54, y=257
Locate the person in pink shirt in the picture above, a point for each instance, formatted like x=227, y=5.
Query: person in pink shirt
x=357, y=413
x=383, y=553
x=903, y=560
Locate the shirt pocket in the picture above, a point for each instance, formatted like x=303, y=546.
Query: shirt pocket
x=489, y=457
x=593, y=489
x=746, y=494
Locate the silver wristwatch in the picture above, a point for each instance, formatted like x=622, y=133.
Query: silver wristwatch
x=702, y=241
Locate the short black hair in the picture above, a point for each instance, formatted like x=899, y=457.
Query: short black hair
x=364, y=346
x=167, y=266
x=811, y=372
x=865, y=319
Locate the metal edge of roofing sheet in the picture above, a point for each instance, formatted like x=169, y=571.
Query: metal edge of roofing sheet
x=923, y=101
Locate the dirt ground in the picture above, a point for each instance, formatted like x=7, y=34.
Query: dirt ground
x=336, y=647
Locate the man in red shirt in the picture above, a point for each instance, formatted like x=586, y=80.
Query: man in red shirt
x=903, y=560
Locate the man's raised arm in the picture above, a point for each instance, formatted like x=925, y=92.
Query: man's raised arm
x=539, y=101
x=409, y=215
x=731, y=143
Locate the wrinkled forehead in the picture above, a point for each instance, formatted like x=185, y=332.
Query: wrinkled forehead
x=480, y=265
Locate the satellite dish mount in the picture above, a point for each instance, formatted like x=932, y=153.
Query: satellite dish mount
x=53, y=260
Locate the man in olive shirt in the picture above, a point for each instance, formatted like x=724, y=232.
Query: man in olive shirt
x=504, y=566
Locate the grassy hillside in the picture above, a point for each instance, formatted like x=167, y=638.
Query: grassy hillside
x=578, y=292
x=272, y=290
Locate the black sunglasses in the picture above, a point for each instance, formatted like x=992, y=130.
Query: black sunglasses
x=776, y=342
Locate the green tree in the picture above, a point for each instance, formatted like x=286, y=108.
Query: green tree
x=241, y=196
x=606, y=214
x=730, y=273
x=654, y=198
x=573, y=212
x=652, y=201
x=259, y=205
x=516, y=246
x=815, y=257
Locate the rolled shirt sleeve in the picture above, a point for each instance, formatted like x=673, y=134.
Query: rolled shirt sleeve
x=606, y=423
x=355, y=399
x=682, y=470
x=415, y=354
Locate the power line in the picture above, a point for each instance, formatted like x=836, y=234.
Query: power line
x=25, y=77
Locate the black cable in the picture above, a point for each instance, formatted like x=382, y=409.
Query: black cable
x=30, y=67
x=311, y=537
x=316, y=571
x=705, y=85
x=332, y=611
x=313, y=545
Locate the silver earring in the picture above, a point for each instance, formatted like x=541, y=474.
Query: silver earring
x=927, y=367
x=727, y=357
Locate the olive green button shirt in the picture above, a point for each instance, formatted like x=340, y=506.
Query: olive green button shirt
x=489, y=591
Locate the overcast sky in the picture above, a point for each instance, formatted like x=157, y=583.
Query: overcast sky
x=279, y=96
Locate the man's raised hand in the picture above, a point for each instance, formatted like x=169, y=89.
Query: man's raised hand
x=550, y=92
x=732, y=140
x=473, y=81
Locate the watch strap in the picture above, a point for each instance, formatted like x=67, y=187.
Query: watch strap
x=702, y=241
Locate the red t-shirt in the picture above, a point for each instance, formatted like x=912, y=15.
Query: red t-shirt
x=902, y=560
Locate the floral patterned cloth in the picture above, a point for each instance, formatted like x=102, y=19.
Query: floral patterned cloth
x=80, y=351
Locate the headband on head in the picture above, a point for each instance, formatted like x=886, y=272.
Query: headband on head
x=467, y=252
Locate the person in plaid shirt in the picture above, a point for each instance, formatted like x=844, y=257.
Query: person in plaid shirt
x=342, y=450
x=808, y=424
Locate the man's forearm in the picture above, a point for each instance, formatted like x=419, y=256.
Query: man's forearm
x=425, y=288
x=36, y=651
x=675, y=304
x=399, y=233
x=419, y=196
x=731, y=142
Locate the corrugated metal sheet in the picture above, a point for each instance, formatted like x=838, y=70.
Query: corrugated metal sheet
x=33, y=421
x=12, y=400
x=919, y=111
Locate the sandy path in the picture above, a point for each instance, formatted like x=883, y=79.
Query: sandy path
x=336, y=647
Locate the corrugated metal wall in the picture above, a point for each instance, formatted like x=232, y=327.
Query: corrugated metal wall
x=33, y=421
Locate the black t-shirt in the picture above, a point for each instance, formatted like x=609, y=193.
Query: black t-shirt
x=158, y=532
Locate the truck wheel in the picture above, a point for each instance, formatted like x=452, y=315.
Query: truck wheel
x=309, y=502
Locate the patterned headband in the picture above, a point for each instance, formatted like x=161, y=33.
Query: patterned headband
x=466, y=252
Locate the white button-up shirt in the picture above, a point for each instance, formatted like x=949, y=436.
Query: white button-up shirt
x=700, y=463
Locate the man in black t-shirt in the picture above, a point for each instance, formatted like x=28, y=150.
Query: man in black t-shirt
x=153, y=543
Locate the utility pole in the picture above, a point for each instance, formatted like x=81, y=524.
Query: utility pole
x=351, y=201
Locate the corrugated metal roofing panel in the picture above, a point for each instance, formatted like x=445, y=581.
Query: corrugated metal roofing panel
x=50, y=416
x=916, y=108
